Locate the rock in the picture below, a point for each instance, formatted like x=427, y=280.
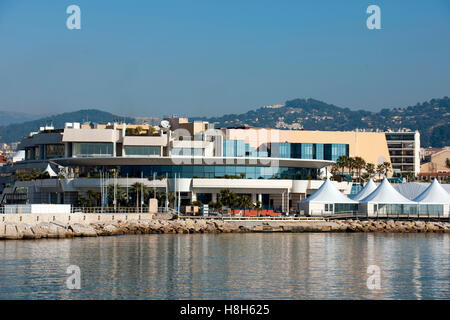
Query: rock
x=163, y=216
x=112, y=230
x=82, y=230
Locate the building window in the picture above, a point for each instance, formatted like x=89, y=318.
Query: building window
x=53, y=151
x=92, y=149
x=187, y=152
x=142, y=150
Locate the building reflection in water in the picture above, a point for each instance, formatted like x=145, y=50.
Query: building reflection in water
x=229, y=266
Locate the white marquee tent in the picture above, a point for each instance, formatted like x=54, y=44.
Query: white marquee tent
x=327, y=200
x=387, y=201
x=50, y=171
x=434, y=201
x=368, y=189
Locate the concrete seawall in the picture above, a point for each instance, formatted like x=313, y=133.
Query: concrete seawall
x=38, y=226
x=85, y=218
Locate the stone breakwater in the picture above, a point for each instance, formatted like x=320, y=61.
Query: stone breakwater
x=55, y=229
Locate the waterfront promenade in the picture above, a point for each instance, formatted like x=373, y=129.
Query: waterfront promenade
x=41, y=226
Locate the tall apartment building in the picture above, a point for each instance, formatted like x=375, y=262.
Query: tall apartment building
x=404, y=150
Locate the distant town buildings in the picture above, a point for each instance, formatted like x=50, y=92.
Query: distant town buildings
x=7, y=150
x=435, y=163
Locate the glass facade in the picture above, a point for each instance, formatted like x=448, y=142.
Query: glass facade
x=432, y=210
x=235, y=148
x=400, y=136
x=142, y=150
x=345, y=207
x=92, y=149
x=53, y=151
x=198, y=171
x=395, y=209
x=188, y=152
x=316, y=151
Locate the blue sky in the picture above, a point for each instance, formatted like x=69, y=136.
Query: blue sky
x=154, y=58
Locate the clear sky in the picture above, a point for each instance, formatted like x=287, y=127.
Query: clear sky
x=210, y=57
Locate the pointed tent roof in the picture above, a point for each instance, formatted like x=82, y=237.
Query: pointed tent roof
x=435, y=193
x=50, y=171
x=328, y=193
x=386, y=193
x=368, y=189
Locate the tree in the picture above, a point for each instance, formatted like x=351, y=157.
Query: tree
x=120, y=195
x=386, y=168
x=365, y=176
x=93, y=198
x=359, y=164
x=380, y=170
x=370, y=169
x=140, y=191
x=334, y=169
x=350, y=165
x=245, y=202
x=447, y=162
x=228, y=198
x=342, y=162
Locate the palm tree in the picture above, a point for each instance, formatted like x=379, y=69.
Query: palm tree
x=139, y=190
x=350, y=165
x=342, y=162
x=120, y=195
x=93, y=198
x=386, y=168
x=380, y=170
x=359, y=164
x=245, y=202
x=370, y=169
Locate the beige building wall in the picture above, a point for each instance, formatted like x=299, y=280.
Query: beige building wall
x=371, y=146
x=438, y=162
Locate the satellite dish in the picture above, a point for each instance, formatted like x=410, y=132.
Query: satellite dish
x=165, y=124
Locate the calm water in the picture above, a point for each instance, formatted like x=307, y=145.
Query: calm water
x=229, y=266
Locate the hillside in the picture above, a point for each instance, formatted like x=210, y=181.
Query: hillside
x=8, y=117
x=431, y=118
x=15, y=132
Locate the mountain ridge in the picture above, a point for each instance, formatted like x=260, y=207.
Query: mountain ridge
x=431, y=118
x=16, y=131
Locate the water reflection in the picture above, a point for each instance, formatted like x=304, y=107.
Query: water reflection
x=229, y=266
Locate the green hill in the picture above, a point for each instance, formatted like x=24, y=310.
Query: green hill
x=15, y=132
x=431, y=118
